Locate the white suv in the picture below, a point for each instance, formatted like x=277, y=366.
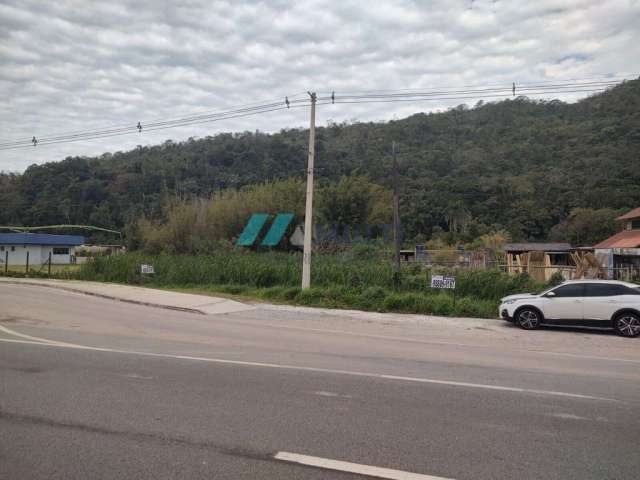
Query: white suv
x=589, y=303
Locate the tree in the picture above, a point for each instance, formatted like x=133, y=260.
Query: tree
x=587, y=226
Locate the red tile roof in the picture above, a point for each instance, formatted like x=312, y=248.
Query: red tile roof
x=625, y=239
x=635, y=213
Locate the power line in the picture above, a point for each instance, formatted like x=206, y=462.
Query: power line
x=467, y=97
x=557, y=88
x=128, y=125
x=261, y=108
x=392, y=96
x=602, y=77
x=135, y=131
x=130, y=128
x=90, y=135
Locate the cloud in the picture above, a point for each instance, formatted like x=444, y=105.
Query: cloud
x=70, y=65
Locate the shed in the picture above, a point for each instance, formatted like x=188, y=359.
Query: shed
x=15, y=247
x=540, y=260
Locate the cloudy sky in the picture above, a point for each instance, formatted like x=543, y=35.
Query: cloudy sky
x=80, y=65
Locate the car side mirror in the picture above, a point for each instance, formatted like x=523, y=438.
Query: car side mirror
x=550, y=295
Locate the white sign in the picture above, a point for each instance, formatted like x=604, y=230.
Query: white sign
x=440, y=281
x=147, y=269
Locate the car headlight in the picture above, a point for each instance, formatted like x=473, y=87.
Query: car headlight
x=508, y=302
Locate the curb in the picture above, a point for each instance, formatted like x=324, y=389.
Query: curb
x=108, y=297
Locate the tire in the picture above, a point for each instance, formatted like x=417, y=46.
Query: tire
x=627, y=324
x=528, y=318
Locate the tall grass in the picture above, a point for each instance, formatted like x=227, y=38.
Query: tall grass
x=339, y=280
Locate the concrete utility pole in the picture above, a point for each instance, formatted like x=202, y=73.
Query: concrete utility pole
x=308, y=214
x=396, y=209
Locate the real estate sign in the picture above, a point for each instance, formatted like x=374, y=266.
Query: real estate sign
x=440, y=281
x=147, y=269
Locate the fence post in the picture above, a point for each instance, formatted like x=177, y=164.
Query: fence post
x=6, y=261
x=27, y=266
x=49, y=268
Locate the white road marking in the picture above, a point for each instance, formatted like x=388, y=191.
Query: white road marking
x=322, y=393
x=356, y=468
x=136, y=375
x=325, y=394
x=568, y=416
x=29, y=337
x=223, y=361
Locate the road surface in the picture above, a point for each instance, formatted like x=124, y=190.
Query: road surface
x=93, y=388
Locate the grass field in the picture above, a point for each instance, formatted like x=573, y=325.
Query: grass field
x=342, y=280
x=55, y=269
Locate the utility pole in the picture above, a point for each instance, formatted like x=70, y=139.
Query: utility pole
x=396, y=209
x=308, y=214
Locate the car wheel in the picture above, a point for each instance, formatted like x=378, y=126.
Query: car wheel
x=627, y=325
x=528, y=318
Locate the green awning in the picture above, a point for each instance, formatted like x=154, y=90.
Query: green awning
x=277, y=230
x=252, y=229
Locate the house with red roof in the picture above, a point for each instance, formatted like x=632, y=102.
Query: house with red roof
x=620, y=254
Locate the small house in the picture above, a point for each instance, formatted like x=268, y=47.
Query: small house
x=620, y=254
x=38, y=248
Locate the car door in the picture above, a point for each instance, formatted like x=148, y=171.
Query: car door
x=601, y=301
x=564, y=304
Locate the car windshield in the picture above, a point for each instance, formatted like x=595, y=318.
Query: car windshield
x=544, y=292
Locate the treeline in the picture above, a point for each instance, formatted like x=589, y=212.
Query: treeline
x=518, y=165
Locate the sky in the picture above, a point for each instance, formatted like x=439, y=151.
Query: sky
x=80, y=65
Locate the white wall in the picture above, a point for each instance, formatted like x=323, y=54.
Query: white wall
x=19, y=255
x=38, y=255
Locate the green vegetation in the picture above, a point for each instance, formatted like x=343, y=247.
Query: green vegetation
x=40, y=270
x=344, y=280
x=195, y=226
x=518, y=165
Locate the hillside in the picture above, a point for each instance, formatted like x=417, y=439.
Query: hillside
x=518, y=164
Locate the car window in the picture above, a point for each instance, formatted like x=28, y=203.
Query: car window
x=631, y=291
x=603, y=290
x=571, y=290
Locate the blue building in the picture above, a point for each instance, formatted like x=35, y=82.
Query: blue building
x=15, y=246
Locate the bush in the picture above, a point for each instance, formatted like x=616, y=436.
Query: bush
x=556, y=279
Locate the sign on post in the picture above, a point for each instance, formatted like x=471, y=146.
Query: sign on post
x=147, y=270
x=440, y=281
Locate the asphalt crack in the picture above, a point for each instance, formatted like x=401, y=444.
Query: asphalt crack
x=157, y=438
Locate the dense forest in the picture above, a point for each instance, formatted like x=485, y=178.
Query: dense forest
x=519, y=165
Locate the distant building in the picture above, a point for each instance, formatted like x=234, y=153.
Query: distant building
x=620, y=254
x=15, y=246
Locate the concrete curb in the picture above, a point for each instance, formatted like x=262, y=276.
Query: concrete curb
x=108, y=297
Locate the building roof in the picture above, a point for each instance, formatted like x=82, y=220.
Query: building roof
x=537, y=247
x=40, y=239
x=624, y=239
x=633, y=214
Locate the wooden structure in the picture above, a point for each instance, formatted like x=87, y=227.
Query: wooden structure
x=540, y=260
x=587, y=266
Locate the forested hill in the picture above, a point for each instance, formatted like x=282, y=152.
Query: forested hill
x=518, y=164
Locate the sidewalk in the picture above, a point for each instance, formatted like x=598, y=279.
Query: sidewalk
x=185, y=302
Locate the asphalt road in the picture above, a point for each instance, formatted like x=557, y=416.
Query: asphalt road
x=91, y=388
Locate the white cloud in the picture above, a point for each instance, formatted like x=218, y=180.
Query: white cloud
x=70, y=65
